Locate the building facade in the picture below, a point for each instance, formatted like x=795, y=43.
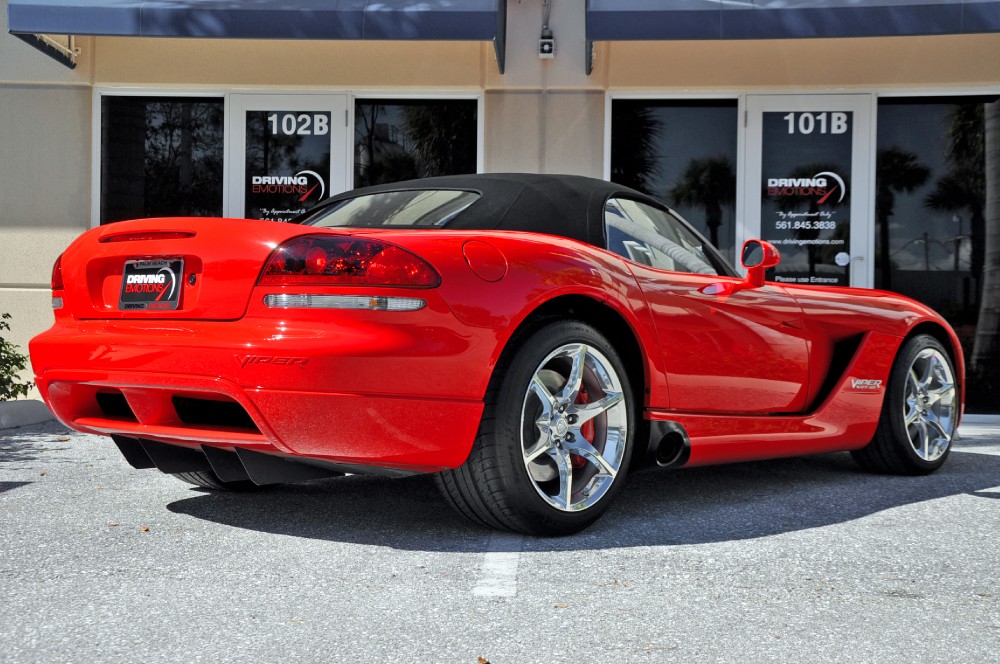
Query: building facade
x=854, y=141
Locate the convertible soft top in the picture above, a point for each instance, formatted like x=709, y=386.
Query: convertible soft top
x=553, y=204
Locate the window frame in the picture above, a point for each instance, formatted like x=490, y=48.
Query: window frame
x=708, y=96
x=225, y=93
x=409, y=96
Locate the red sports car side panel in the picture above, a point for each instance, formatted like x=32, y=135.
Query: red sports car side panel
x=739, y=352
x=845, y=421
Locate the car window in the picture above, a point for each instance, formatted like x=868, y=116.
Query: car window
x=425, y=208
x=650, y=236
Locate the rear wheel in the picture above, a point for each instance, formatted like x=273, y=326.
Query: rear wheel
x=920, y=414
x=554, y=444
x=208, y=480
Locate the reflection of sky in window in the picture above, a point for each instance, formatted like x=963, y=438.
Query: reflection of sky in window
x=921, y=129
x=689, y=132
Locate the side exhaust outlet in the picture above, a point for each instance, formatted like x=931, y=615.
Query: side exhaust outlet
x=671, y=443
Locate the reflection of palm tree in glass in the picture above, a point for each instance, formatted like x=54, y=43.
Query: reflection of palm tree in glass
x=269, y=153
x=985, y=362
x=443, y=137
x=963, y=187
x=635, y=134
x=710, y=184
x=380, y=158
x=896, y=171
x=973, y=186
x=183, y=164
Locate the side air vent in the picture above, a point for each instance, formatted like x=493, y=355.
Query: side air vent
x=843, y=352
x=212, y=413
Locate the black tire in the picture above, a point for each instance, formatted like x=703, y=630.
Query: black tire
x=579, y=455
x=206, y=479
x=919, y=415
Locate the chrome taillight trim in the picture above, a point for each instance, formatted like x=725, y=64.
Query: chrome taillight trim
x=354, y=302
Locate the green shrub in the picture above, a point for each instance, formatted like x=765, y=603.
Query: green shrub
x=11, y=363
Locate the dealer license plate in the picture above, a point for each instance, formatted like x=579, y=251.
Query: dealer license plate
x=151, y=284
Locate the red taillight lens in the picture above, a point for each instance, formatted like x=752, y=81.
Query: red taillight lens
x=57, y=280
x=322, y=259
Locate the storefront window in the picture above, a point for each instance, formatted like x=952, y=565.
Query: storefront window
x=682, y=152
x=931, y=220
x=403, y=139
x=161, y=156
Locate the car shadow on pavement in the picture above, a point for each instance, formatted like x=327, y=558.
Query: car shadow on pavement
x=691, y=506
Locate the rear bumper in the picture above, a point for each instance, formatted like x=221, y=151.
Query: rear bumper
x=407, y=400
x=405, y=433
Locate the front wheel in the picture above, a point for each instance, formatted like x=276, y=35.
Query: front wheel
x=920, y=415
x=554, y=444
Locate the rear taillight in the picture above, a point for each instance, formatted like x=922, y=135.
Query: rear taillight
x=337, y=260
x=57, y=283
x=57, y=279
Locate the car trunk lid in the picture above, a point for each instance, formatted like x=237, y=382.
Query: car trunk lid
x=171, y=268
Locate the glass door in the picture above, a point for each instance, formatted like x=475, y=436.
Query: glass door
x=808, y=186
x=288, y=152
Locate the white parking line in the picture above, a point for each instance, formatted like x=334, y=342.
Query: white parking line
x=498, y=575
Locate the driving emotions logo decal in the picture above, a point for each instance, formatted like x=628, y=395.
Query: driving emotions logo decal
x=306, y=186
x=825, y=187
x=151, y=284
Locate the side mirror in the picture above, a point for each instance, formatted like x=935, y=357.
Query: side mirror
x=757, y=256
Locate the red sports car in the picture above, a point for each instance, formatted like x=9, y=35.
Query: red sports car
x=526, y=338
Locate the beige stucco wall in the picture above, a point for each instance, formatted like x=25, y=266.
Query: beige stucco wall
x=288, y=64
x=44, y=194
x=45, y=111
x=805, y=64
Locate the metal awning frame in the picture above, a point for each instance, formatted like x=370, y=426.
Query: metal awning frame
x=63, y=54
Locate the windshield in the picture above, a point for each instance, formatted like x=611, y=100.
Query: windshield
x=427, y=208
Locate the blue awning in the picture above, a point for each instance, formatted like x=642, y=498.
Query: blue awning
x=460, y=20
x=626, y=20
x=472, y=20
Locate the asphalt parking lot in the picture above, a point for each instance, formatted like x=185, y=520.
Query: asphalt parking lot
x=800, y=560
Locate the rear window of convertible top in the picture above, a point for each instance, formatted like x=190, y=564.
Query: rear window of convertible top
x=432, y=208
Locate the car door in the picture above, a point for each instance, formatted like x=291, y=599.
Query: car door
x=726, y=349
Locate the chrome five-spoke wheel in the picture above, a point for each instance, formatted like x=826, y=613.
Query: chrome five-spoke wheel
x=931, y=403
x=574, y=424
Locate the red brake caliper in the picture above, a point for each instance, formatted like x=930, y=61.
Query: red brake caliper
x=587, y=429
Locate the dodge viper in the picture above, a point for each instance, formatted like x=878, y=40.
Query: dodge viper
x=527, y=339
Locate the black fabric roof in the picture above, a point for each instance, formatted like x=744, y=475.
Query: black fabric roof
x=566, y=205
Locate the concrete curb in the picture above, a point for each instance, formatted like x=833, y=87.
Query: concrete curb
x=993, y=420
x=22, y=413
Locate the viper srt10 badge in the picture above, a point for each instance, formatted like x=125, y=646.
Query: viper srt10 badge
x=866, y=384
x=151, y=284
